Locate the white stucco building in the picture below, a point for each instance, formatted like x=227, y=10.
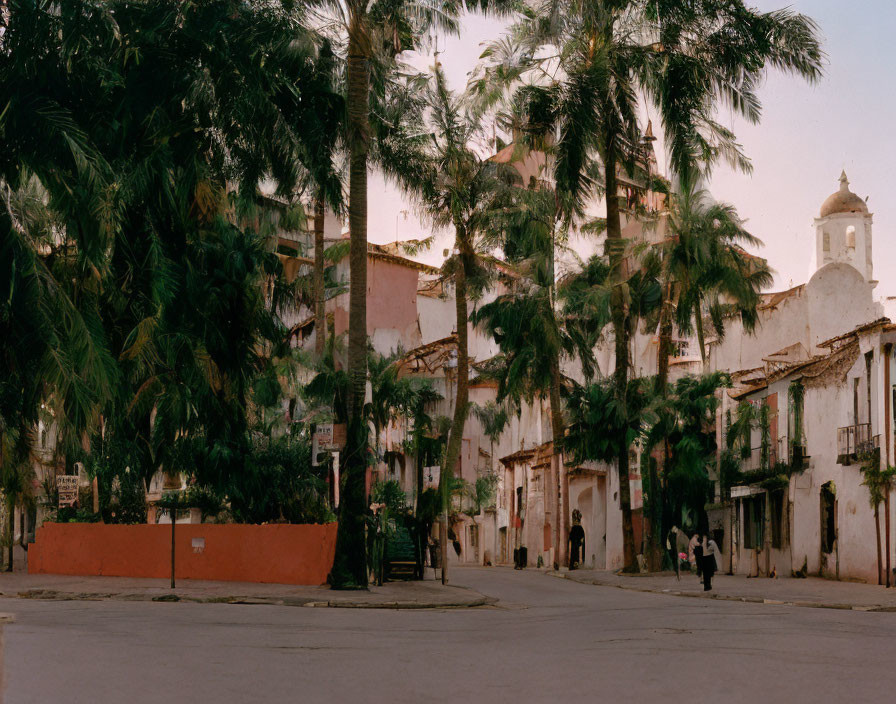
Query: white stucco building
x=821, y=364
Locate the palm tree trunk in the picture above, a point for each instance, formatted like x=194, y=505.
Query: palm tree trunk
x=664, y=352
x=562, y=507
x=359, y=129
x=664, y=348
x=698, y=322
x=615, y=246
x=350, y=563
x=320, y=322
x=461, y=398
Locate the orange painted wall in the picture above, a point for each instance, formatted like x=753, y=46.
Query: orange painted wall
x=281, y=553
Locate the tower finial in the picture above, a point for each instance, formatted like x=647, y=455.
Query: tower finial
x=844, y=182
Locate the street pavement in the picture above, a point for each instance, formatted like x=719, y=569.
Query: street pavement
x=392, y=595
x=811, y=591
x=544, y=639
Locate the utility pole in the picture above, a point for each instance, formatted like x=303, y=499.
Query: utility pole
x=173, y=523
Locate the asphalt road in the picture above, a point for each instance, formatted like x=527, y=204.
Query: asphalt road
x=547, y=640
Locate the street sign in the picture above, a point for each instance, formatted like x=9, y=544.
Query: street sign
x=330, y=436
x=67, y=486
x=324, y=435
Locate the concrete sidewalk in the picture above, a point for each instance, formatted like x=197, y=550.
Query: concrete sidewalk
x=809, y=592
x=428, y=594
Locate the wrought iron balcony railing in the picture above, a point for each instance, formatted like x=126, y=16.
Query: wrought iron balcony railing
x=853, y=441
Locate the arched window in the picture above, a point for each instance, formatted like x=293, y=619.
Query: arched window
x=850, y=237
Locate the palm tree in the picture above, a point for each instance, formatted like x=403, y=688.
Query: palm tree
x=532, y=333
x=591, y=62
x=683, y=416
x=322, y=129
x=152, y=168
x=494, y=419
x=52, y=355
x=374, y=35
x=706, y=272
x=459, y=192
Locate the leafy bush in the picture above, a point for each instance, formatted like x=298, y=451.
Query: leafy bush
x=391, y=494
x=278, y=483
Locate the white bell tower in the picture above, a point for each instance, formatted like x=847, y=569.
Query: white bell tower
x=843, y=232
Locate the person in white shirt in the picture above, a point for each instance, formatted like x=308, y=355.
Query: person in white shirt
x=711, y=559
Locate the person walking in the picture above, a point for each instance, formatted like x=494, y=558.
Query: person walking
x=710, y=561
x=576, y=540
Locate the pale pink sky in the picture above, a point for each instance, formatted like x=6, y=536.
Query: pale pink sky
x=807, y=135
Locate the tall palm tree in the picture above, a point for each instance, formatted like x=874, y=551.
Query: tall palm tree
x=323, y=130
x=705, y=271
x=592, y=62
x=460, y=191
x=533, y=332
x=50, y=351
x=373, y=35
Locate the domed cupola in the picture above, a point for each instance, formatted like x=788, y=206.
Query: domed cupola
x=843, y=201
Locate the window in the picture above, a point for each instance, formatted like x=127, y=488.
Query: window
x=826, y=242
x=796, y=431
x=754, y=520
x=778, y=507
x=474, y=536
x=850, y=237
x=869, y=360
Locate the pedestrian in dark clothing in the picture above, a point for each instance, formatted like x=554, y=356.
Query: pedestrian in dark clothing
x=698, y=557
x=710, y=562
x=576, y=540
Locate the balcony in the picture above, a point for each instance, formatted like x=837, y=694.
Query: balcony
x=782, y=450
x=754, y=462
x=793, y=453
x=853, y=441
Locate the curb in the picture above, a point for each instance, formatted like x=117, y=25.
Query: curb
x=874, y=608
x=484, y=601
x=51, y=595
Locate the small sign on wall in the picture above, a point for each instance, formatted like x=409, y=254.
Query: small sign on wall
x=67, y=487
x=198, y=545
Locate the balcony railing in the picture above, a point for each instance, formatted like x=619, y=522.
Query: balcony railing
x=782, y=450
x=854, y=441
x=754, y=461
